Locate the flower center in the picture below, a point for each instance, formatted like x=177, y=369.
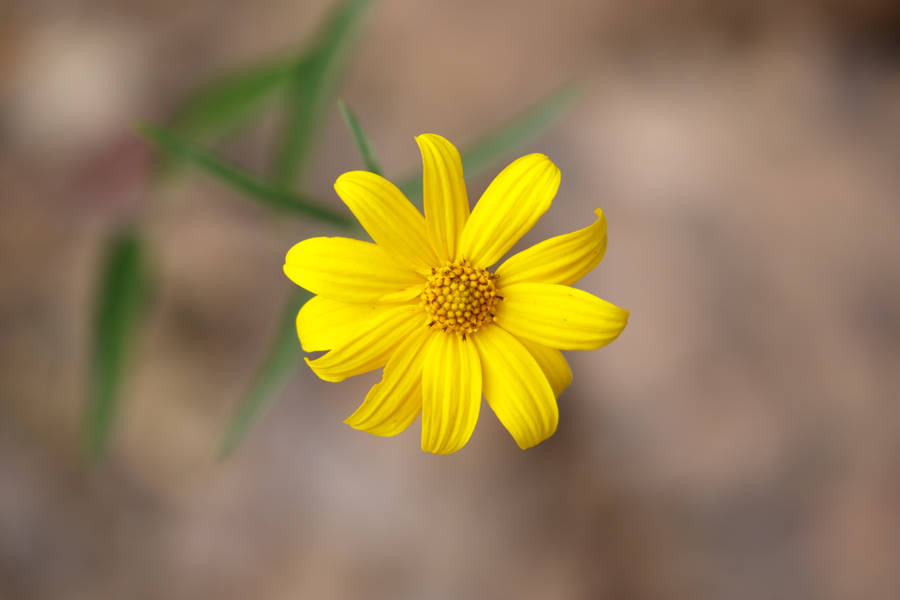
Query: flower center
x=460, y=298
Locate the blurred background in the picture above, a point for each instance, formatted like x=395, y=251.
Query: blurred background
x=741, y=440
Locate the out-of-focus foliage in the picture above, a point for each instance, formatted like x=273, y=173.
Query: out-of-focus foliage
x=269, y=193
x=478, y=157
x=312, y=86
x=119, y=301
x=229, y=103
x=309, y=83
x=283, y=356
x=363, y=145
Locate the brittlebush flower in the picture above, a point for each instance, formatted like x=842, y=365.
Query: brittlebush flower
x=423, y=302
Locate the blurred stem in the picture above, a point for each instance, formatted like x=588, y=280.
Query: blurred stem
x=272, y=377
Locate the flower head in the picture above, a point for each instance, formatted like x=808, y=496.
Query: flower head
x=425, y=303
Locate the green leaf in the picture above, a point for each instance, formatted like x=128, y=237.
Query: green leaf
x=119, y=306
x=229, y=102
x=270, y=194
x=224, y=107
x=366, y=152
x=479, y=157
x=313, y=85
x=284, y=355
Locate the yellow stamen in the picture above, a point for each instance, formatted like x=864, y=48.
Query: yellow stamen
x=460, y=298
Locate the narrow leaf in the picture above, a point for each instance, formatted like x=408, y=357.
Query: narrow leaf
x=312, y=87
x=229, y=102
x=479, y=157
x=284, y=355
x=366, y=152
x=268, y=193
x=118, y=309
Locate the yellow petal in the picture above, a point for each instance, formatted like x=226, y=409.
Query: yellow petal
x=564, y=259
x=372, y=346
x=323, y=324
x=451, y=393
x=446, y=202
x=351, y=271
x=393, y=404
x=559, y=316
x=515, y=387
x=510, y=206
x=552, y=363
x=388, y=216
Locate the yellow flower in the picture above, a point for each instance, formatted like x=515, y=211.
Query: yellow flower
x=423, y=303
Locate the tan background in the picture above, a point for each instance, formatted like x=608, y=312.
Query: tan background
x=740, y=441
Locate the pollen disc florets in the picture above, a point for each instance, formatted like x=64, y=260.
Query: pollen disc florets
x=460, y=298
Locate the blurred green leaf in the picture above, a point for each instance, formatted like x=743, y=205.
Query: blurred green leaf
x=313, y=85
x=284, y=355
x=268, y=193
x=229, y=102
x=227, y=105
x=362, y=142
x=479, y=157
x=119, y=305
